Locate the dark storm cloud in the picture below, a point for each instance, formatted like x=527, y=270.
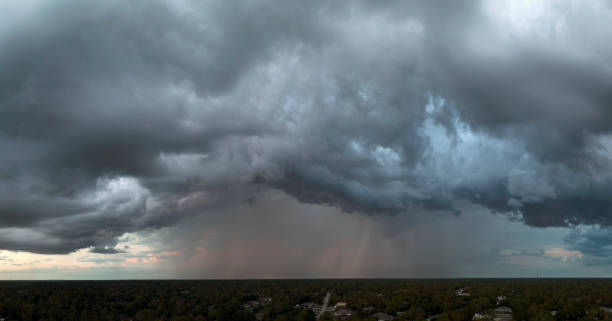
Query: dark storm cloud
x=563, y=101
x=118, y=117
x=594, y=242
x=106, y=250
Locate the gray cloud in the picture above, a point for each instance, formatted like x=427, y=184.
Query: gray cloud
x=594, y=242
x=120, y=117
x=106, y=250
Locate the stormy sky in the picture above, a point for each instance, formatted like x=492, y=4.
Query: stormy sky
x=264, y=138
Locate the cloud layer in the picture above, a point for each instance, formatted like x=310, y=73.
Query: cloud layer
x=119, y=117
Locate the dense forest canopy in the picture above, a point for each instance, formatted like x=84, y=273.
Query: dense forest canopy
x=392, y=299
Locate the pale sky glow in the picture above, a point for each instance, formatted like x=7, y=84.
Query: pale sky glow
x=273, y=139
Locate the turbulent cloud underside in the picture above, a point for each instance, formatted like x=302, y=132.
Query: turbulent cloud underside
x=126, y=116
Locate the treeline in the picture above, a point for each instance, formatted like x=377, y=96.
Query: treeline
x=529, y=299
